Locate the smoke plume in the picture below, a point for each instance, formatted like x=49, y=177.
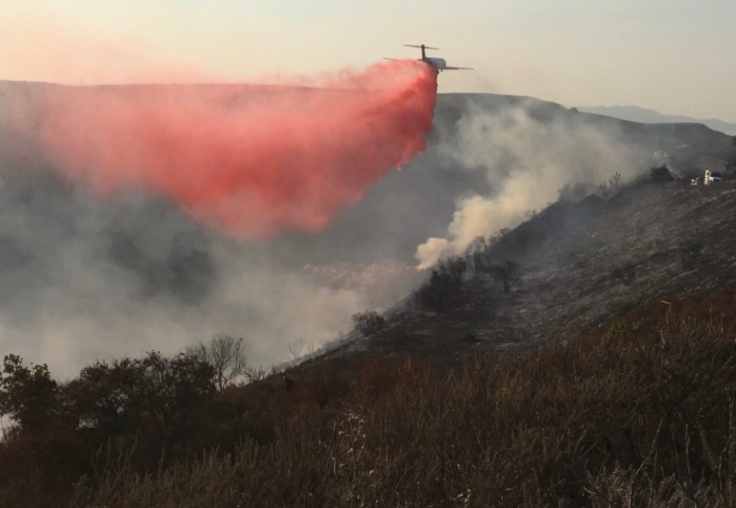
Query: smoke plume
x=255, y=161
x=527, y=152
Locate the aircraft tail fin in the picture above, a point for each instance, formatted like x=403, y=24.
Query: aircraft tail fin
x=424, y=48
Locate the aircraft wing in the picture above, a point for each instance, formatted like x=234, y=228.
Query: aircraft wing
x=457, y=69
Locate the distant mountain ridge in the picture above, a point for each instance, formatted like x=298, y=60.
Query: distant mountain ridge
x=643, y=115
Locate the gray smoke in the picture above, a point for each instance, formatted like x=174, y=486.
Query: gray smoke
x=86, y=277
x=82, y=278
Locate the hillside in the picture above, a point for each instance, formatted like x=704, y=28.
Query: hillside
x=568, y=255
x=690, y=146
x=630, y=417
x=593, y=380
x=644, y=115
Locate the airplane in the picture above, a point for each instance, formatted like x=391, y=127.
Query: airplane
x=439, y=64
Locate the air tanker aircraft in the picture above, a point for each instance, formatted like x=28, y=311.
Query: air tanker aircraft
x=439, y=64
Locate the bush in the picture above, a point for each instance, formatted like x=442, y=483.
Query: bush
x=368, y=323
x=499, y=236
x=625, y=273
x=477, y=245
x=531, y=214
x=435, y=294
x=644, y=420
x=476, y=252
x=607, y=189
x=479, y=262
x=508, y=274
x=661, y=175
x=573, y=193
x=455, y=267
x=161, y=403
x=445, y=281
x=690, y=254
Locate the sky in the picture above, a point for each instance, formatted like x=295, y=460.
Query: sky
x=675, y=56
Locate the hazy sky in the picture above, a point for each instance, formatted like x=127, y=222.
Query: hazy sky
x=676, y=56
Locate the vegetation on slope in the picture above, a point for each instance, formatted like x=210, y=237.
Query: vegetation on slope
x=640, y=416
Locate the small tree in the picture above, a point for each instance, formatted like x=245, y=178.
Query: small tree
x=625, y=273
x=444, y=282
x=661, y=175
x=436, y=292
x=227, y=357
x=690, y=254
x=28, y=395
x=476, y=252
x=499, y=235
x=614, y=183
x=479, y=262
x=532, y=214
x=508, y=274
x=368, y=323
x=296, y=347
x=454, y=267
x=157, y=393
x=575, y=192
x=477, y=245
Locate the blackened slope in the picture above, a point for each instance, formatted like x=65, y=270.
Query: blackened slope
x=569, y=254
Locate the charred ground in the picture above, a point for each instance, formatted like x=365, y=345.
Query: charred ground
x=569, y=255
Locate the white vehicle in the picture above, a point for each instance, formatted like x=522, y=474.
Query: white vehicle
x=438, y=64
x=712, y=177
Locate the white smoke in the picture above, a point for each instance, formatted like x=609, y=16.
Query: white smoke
x=526, y=157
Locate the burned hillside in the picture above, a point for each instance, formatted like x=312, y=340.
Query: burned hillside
x=583, y=264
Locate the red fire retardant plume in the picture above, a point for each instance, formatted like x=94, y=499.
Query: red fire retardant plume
x=256, y=161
